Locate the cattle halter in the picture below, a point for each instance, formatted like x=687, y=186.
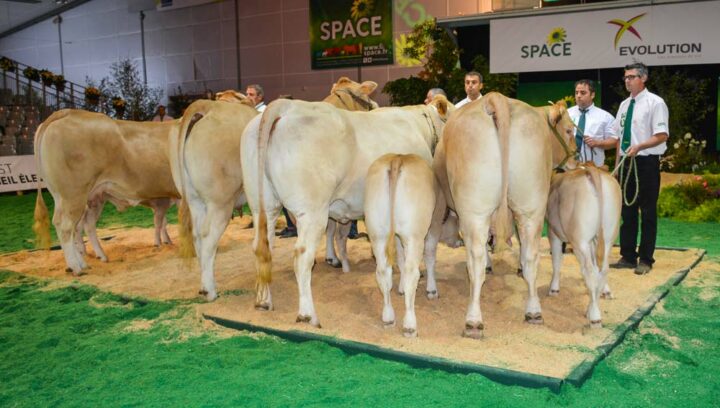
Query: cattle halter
x=366, y=104
x=564, y=145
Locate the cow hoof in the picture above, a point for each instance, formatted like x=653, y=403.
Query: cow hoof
x=333, y=262
x=520, y=272
x=409, y=333
x=265, y=307
x=401, y=292
x=596, y=324
x=388, y=325
x=554, y=292
x=102, y=258
x=68, y=270
x=607, y=295
x=307, y=319
x=488, y=270
x=534, y=318
x=432, y=294
x=473, y=331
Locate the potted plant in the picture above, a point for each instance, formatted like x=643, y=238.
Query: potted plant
x=31, y=74
x=59, y=81
x=92, y=95
x=47, y=77
x=118, y=104
x=7, y=64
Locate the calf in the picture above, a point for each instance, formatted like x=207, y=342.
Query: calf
x=584, y=209
x=400, y=193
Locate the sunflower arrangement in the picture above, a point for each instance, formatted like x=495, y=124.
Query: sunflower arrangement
x=361, y=8
x=31, y=74
x=59, y=82
x=6, y=64
x=118, y=104
x=557, y=35
x=92, y=95
x=47, y=77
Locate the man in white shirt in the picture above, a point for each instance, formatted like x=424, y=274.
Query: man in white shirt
x=255, y=93
x=595, y=126
x=473, y=85
x=160, y=115
x=642, y=126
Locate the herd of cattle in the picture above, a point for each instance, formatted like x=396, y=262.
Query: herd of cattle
x=415, y=173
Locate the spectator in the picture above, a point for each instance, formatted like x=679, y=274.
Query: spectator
x=594, y=126
x=161, y=116
x=431, y=94
x=473, y=85
x=256, y=94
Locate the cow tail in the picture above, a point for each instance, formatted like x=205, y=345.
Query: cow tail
x=498, y=107
x=263, y=257
x=189, y=120
x=393, y=175
x=41, y=224
x=595, y=179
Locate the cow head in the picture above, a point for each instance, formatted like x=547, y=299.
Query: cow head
x=350, y=95
x=443, y=106
x=563, y=139
x=235, y=97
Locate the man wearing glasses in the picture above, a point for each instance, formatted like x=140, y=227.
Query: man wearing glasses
x=642, y=128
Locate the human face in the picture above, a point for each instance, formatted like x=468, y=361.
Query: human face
x=634, y=83
x=252, y=94
x=428, y=97
x=473, y=86
x=583, y=96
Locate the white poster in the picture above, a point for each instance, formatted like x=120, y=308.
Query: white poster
x=673, y=34
x=18, y=173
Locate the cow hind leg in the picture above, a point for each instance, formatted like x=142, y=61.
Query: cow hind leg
x=90, y=219
x=330, y=257
x=66, y=217
x=475, y=232
x=557, y=258
x=383, y=276
x=593, y=280
x=341, y=239
x=310, y=228
x=400, y=261
x=411, y=276
x=530, y=233
x=430, y=257
x=216, y=220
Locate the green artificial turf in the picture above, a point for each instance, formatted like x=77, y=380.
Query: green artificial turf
x=70, y=346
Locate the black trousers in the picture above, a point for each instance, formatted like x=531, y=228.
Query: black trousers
x=644, y=209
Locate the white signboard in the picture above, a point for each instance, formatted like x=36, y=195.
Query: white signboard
x=673, y=34
x=18, y=173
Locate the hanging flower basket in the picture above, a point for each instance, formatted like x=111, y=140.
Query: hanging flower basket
x=118, y=104
x=92, y=95
x=8, y=65
x=47, y=77
x=59, y=81
x=31, y=74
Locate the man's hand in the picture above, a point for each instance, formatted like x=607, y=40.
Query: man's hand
x=633, y=150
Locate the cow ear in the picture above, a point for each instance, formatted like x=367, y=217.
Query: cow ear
x=442, y=104
x=554, y=114
x=343, y=81
x=368, y=87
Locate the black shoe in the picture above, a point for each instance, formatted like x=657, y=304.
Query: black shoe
x=289, y=233
x=623, y=264
x=643, y=269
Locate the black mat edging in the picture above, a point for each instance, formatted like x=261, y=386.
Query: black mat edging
x=583, y=371
x=503, y=376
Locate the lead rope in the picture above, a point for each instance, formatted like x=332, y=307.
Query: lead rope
x=624, y=179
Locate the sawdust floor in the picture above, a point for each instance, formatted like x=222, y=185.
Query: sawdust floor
x=349, y=305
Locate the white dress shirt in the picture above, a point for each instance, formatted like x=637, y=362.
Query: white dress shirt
x=260, y=107
x=650, y=117
x=598, y=125
x=466, y=101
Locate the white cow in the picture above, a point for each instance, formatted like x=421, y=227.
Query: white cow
x=313, y=159
x=497, y=155
x=86, y=157
x=400, y=193
x=584, y=209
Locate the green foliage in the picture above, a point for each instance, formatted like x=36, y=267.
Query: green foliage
x=695, y=201
x=125, y=82
x=686, y=157
x=179, y=102
x=689, y=102
x=407, y=91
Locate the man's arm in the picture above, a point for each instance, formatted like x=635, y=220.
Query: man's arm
x=653, y=141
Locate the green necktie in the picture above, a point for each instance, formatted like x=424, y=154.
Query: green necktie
x=580, y=130
x=627, y=126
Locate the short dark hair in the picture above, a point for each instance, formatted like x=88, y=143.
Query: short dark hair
x=475, y=73
x=641, y=68
x=589, y=82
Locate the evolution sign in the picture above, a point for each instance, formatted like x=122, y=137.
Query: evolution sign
x=349, y=33
x=673, y=34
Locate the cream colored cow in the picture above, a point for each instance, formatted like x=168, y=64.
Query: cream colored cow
x=584, y=209
x=313, y=159
x=204, y=153
x=400, y=193
x=85, y=156
x=497, y=155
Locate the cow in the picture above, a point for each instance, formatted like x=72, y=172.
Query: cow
x=313, y=159
x=400, y=193
x=86, y=156
x=205, y=160
x=584, y=209
x=497, y=155
x=204, y=154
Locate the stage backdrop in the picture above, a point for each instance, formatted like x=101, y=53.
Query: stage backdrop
x=673, y=34
x=18, y=173
x=347, y=33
